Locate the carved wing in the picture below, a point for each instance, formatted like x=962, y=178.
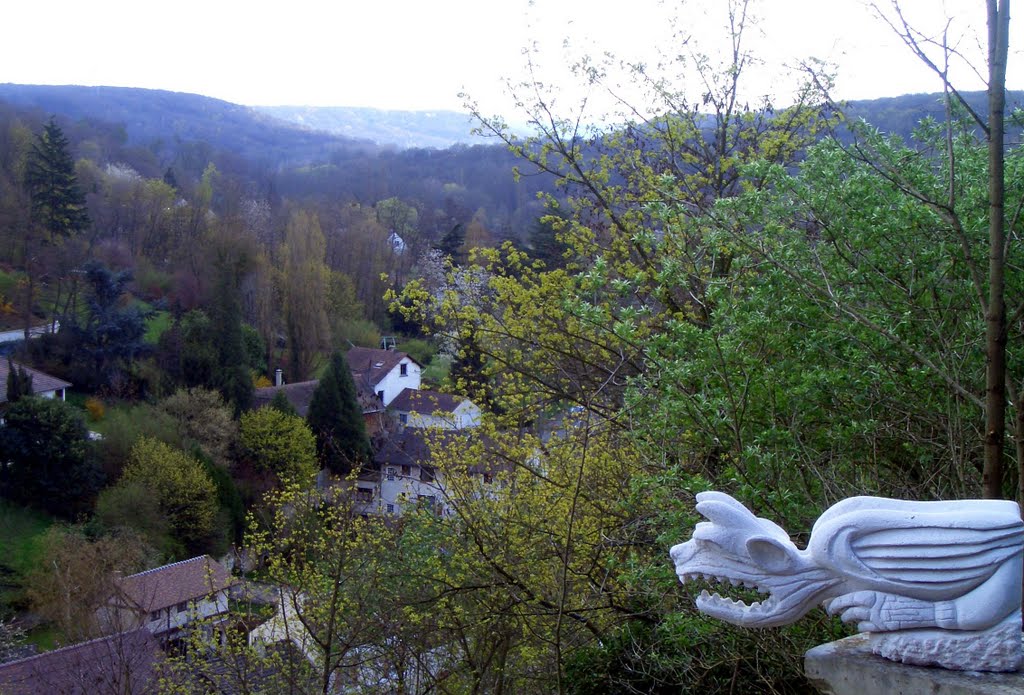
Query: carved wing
x=925, y=550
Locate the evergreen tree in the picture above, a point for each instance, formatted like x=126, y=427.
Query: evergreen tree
x=58, y=204
x=47, y=464
x=232, y=378
x=112, y=335
x=337, y=420
x=281, y=403
x=452, y=243
x=19, y=382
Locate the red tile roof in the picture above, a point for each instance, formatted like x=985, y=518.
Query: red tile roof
x=373, y=364
x=162, y=587
x=41, y=381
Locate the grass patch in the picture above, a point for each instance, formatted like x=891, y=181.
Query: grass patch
x=21, y=535
x=436, y=373
x=156, y=325
x=46, y=637
x=21, y=547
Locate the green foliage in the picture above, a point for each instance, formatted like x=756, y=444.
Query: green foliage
x=420, y=350
x=22, y=531
x=111, y=338
x=203, y=421
x=48, y=465
x=132, y=506
x=123, y=425
x=186, y=351
x=184, y=492
x=281, y=404
x=232, y=377
x=280, y=443
x=336, y=420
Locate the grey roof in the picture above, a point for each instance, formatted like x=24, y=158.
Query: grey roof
x=41, y=381
x=124, y=662
x=425, y=402
x=299, y=394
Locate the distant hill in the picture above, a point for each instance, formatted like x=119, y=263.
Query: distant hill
x=900, y=115
x=438, y=129
x=157, y=118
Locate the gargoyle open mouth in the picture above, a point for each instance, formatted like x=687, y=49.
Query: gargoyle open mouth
x=767, y=603
x=737, y=549
x=752, y=597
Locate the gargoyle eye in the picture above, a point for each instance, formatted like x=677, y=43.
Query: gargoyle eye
x=769, y=554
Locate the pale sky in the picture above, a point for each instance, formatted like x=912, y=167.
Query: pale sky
x=420, y=54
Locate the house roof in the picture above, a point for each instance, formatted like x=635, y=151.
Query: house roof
x=124, y=662
x=162, y=587
x=41, y=381
x=373, y=364
x=425, y=402
x=412, y=445
x=299, y=394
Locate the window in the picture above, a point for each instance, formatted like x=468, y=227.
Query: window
x=391, y=509
x=181, y=607
x=406, y=471
x=403, y=418
x=403, y=369
x=380, y=395
x=391, y=473
x=364, y=494
x=155, y=615
x=426, y=474
x=429, y=502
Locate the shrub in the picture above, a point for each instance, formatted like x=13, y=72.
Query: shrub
x=94, y=406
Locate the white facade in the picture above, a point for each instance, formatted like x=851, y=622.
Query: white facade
x=408, y=485
x=118, y=616
x=466, y=414
x=404, y=375
x=175, y=617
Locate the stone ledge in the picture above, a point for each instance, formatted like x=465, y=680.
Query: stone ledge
x=847, y=667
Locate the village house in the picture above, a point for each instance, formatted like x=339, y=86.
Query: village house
x=433, y=409
x=43, y=385
x=166, y=599
x=384, y=372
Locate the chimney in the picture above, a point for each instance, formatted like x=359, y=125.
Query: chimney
x=278, y=377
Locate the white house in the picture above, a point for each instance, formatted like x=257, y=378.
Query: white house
x=166, y=599
x=43, y=384
x=384, y=372
x=425, y=408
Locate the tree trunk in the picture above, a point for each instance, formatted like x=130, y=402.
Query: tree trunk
x=995, y=319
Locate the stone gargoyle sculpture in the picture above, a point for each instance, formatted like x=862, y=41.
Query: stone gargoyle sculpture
x=933, y=583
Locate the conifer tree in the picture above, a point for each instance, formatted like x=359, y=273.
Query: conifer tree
x=19, y=382
x=58, y=204
x=337, y=420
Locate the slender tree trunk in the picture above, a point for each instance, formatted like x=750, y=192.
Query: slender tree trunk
x=995, y=319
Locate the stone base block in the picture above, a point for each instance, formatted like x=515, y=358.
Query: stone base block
x=847, y=667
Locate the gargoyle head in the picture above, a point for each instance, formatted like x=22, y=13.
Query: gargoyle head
x=737, y=547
